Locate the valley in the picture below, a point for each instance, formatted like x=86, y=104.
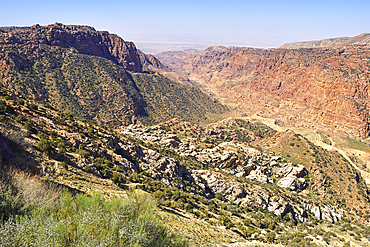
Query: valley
x=229, y=146
x=323, y=88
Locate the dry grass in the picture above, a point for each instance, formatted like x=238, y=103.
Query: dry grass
x=33, y=190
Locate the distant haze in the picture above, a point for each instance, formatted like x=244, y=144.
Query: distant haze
x=154, y=24
x=154, y=48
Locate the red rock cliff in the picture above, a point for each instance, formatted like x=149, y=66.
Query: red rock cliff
x=322, y=88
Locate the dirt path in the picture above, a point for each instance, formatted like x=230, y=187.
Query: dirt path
x=312, y=136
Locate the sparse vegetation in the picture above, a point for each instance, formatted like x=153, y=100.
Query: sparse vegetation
x=58, y=218
x=85, y=158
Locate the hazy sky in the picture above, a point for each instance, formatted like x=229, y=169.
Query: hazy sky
x=256, y=23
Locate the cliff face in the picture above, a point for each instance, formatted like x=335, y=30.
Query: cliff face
x=83, y=38
x=323, y=88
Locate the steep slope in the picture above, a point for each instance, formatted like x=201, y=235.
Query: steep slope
x=363, y=38
x=94, y=75
x=166, y=99
x=322, y=88
x=214, y=184
x=85, y=39
x=87, y=86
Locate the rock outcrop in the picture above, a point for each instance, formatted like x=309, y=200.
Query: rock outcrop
x=257, y=198
x=85, y=39
x=255, y=166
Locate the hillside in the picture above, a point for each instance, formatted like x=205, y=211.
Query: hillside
x=363, y=39
x=235, y=180
x=69, y=67
x=85, y=39
x=325, y=89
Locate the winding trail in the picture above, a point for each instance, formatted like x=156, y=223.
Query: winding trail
x=312, y=136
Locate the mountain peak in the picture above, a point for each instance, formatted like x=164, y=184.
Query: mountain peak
x=83, y=38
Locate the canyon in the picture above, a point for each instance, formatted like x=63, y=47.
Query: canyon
x=326, y=89
x=229, y=145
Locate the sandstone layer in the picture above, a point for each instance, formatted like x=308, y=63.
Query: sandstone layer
x=322, y=88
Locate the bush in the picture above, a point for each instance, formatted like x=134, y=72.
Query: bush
x=88, y=168
x=83, y=153
x=9, y=109
x=33, y=107
x=117, y=178
x=20, y=102
x=20, y=118
x=2, y=107
x=226, y=221
x=29, y=126
x=21, y=193
x=44, y=146
x=270, y=237
x=90, y=221
x=220, y=197
x=64, y=165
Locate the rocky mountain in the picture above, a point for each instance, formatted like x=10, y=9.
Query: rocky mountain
x=95, y=75
x=85, y=39
x=363, y=38
x=323, y=88
x=234, y=179
x=281, y=180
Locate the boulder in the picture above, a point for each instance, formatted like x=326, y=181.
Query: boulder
x=292, y=183
x=259, y=176
x=316, y=213
x=299, y=171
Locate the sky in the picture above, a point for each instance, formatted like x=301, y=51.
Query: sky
x=259, y=23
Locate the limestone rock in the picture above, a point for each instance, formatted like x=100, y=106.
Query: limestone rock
x=292, y=183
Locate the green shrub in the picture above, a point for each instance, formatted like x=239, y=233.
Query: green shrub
x=33, y=107
x=220, y=197
x=64, y=165
x=2, y=107
x=83, y=153
x=90, y=221
x=226, y=221
x=28, y=125
x=9, y=109
x=87, y=168
x=117, y=178
x=21, y=193
x=270, y=237
x=20, y=118
x=44, y=146
x=20, y=102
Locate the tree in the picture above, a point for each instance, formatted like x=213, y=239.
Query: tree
x=45, y=146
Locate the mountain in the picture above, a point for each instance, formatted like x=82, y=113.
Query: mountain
x=95, y=75
x=85, y=39
x=363, y=38
x=326, y=89
x=236, y=180
x=283, y=170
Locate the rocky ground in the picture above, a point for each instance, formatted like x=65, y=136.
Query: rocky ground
x=210, y=176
